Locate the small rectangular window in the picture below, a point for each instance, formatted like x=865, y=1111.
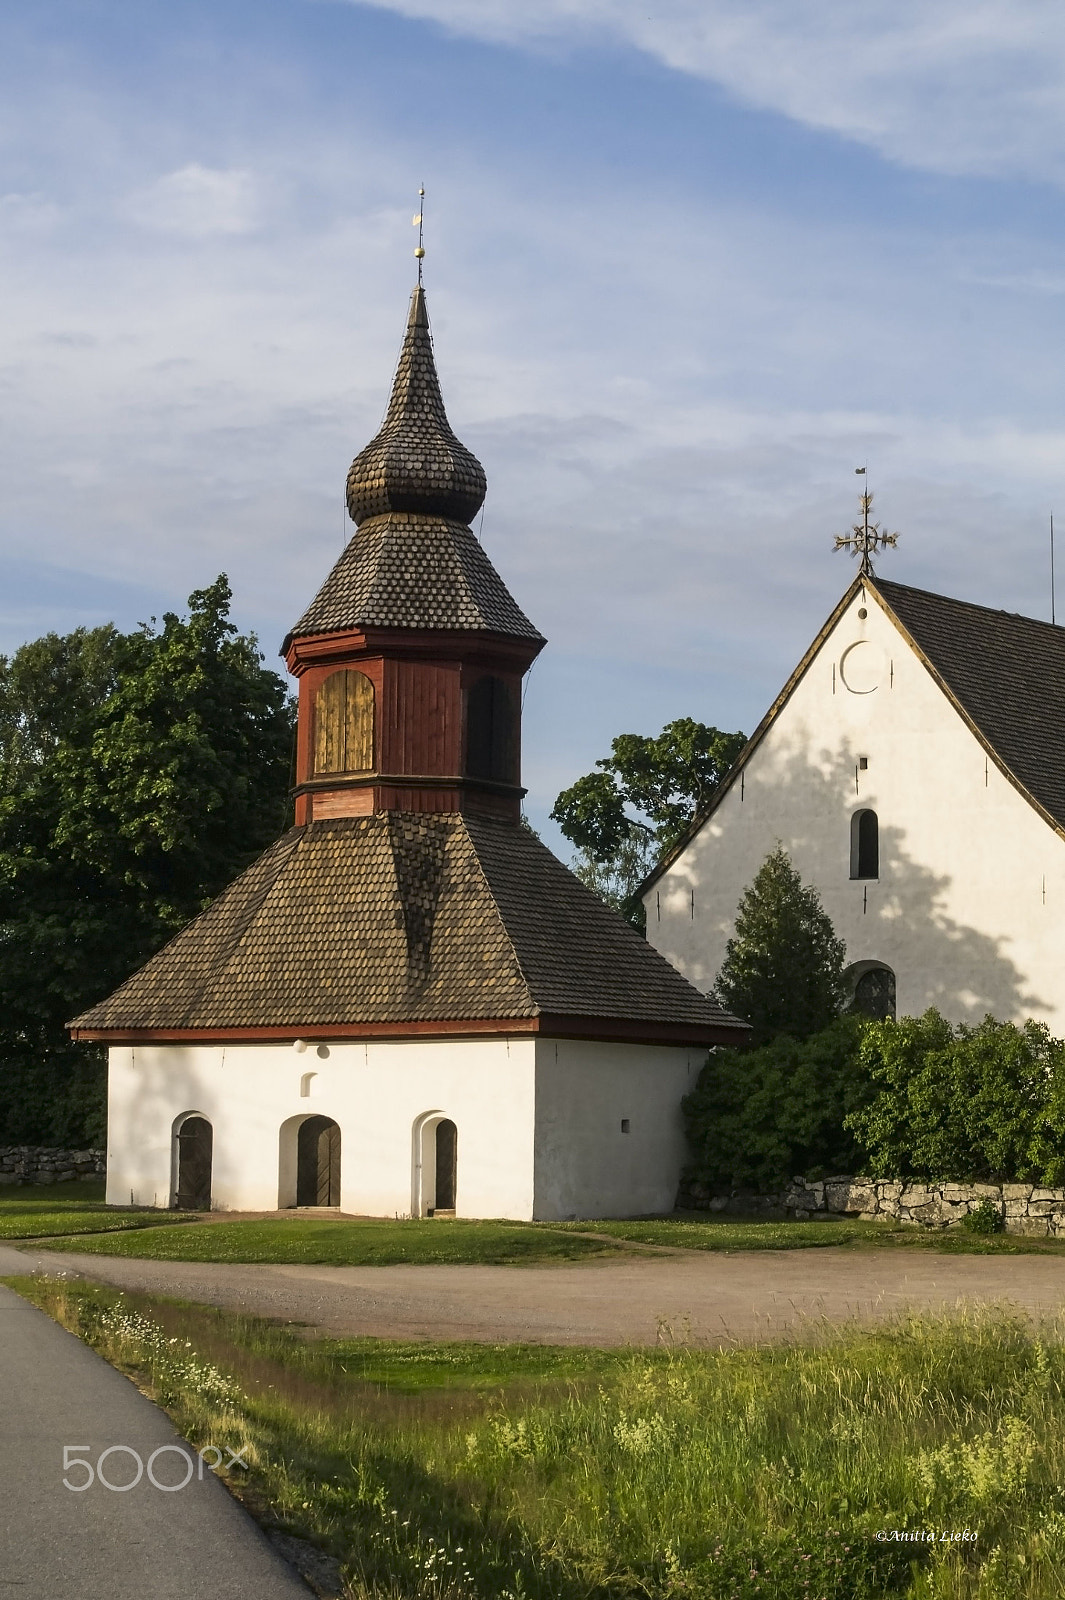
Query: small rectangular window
x=624, y=1124
x=863, y=763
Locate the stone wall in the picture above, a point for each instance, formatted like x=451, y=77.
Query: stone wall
x=1023, y=1207
x=29, y=1163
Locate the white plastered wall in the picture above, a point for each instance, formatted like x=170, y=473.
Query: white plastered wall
x=377, y=1093
x=539, y=1122
x=586, y=1165
x=969, y=907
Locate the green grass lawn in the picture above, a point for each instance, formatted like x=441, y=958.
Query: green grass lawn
x=66, y=1208
x=80, y=1223
x=695, y=1232
x=462, y=1472
x=372, y=1242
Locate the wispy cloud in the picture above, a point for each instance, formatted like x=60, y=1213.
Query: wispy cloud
x=197, y=201
x=950, y=86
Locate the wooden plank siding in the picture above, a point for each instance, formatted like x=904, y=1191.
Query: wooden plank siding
x=421, y=718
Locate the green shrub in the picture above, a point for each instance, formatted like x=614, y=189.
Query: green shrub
x=757, y=1118
x=984, y=1217
x=983, y=1103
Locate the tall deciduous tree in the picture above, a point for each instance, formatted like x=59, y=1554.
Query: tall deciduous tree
x=783, y=966
x=639, y=801
x=138, y=774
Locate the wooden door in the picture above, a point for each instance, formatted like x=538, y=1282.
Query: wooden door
x=195, y=1150
x=447, y=1139
x=318, y=1163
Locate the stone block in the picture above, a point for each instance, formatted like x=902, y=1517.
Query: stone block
x=44, y=1177
x=10, y=1177
x=1034, y=1226
x=1016, y=1191
x=849, y=1197
x=955, y=1192
x=1040, y=1208
x=987, y=1191
x=1016, y=1208
x=916, y=1194
x=1048, y=1194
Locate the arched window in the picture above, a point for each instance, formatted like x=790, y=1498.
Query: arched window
x=874, y=994
x=492, y=731
x=865, y=845
x=344, y=723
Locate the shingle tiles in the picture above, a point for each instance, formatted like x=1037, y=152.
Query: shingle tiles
x=1008, y=674
x=403, y=917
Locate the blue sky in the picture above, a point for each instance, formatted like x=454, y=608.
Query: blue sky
x=686, y=270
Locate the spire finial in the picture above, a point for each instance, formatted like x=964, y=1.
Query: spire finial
x=865, y=537
x=417, y=222
x=415, y=463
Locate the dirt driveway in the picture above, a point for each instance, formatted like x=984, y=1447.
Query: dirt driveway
x=618, y=1300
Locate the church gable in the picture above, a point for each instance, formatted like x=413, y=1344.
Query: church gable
x=899, y=768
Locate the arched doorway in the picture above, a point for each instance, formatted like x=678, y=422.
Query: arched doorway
x=195, y=1149
x=318, y=1163
x=447, y=1150
x=435, y=1152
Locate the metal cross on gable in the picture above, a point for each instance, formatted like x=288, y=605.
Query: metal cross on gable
x=865, y=537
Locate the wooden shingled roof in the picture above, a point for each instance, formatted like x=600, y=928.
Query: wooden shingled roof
x=407, y=570
x=400, y=924
x=1005, y=672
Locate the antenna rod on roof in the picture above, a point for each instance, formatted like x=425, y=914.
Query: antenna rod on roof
x=1053, y=617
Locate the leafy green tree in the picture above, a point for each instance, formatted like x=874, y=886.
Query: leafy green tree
x=758, y=1118
x=984, y=1103
x=783, y=966
x=138, y=774
x=639, y=801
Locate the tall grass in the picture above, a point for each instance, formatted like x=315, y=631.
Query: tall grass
x=831, y=1469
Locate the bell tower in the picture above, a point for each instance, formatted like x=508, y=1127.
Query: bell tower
x=410, y=657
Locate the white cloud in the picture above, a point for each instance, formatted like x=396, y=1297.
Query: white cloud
x=951, y=86
x=198, y=201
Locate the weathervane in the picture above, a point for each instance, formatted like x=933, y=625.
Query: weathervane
x=865, y=537
x=416, y=221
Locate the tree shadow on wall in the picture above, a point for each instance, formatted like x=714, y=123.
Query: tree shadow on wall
x=901, y=919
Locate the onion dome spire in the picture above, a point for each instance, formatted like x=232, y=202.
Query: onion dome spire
x=416, y=464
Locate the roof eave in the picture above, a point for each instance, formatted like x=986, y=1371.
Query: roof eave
x=550, y=1025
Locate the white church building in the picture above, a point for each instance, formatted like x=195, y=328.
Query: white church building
x=913, y=767
x=407, y=1005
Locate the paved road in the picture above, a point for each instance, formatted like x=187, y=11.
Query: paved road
x=144, y=1544
x=615, y=1300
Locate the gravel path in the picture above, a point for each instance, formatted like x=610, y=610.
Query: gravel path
x=708, y=1297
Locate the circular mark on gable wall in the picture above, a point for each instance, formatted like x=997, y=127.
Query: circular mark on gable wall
x=861, y=667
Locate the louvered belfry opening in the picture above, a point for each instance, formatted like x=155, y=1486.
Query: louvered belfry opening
x=344, y=723
x=411, y=656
